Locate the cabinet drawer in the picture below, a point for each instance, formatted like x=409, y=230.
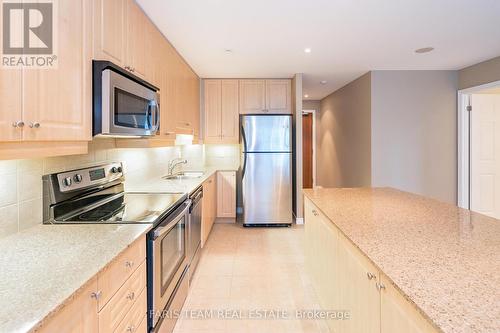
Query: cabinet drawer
x=111, y=279
x=135, y=316
x=116, y=309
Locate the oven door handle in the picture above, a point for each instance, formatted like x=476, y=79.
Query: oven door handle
x=166, y=226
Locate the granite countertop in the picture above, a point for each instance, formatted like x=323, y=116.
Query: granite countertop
x=442, y=258
x=178, y=185
x=42, y=267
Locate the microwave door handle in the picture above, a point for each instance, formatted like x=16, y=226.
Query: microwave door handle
x=157, y=117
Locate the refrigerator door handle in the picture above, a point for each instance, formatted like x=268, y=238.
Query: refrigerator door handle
x=243, y=136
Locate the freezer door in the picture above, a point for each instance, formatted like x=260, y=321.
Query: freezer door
x=267, y=188
x=266, y=133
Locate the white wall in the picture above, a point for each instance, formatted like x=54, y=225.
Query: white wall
x=414, y=134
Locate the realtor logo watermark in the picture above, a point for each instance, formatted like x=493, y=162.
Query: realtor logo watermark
x=29, y=34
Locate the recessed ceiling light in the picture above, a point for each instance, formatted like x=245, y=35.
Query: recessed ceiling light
x=322, y=82
x=306, y=95
x=307, y=50
x=424, y=50
x=228, y=50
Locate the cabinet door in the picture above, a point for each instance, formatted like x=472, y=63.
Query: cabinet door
x=397, y=314
x=278, y=96
x=229, y=111
x=110, y=30
x=252, y=96
x=168, y=90
x=212, y=109
x=226, y=194
x=10, y=104
x=136, y=39
x=193, y=101
x=59, y=99
x=322, y=251
x=154, y=61
x=208, y=213
x=78, y=316
x=357, y=291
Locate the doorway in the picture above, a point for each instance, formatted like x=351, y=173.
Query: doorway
x=308, y=149
x=479, y=149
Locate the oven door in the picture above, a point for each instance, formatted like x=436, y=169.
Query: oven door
x=168, y=245
x=128, y=108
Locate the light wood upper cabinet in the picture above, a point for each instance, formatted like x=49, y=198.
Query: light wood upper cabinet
x=212, y=107
x=278, y=96
x=397, y=314
x=265, y=96
x=229, y=111
x=221, y=111
x=110, y=29
x=120, y=34
x=57, y=101
x=226, y=194
x=137, y=27
x=10, y=104
x=78, y=316
x=252, y=96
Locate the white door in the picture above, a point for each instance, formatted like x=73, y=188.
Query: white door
x=485, y=154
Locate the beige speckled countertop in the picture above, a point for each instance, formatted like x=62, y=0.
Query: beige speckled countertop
x=444, y=259
x=44, y=266
x=184, y=185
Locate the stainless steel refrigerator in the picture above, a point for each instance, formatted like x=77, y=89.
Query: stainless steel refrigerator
x=266, y=175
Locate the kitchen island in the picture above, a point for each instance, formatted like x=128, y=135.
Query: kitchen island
x=440, y=260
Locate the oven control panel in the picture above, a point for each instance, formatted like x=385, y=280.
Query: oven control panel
x=82, y=178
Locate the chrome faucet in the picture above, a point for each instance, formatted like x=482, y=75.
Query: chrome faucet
x=173, y=163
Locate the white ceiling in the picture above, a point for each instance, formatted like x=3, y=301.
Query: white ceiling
x=347, y=37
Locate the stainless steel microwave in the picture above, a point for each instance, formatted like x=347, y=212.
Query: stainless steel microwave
x=123, y=104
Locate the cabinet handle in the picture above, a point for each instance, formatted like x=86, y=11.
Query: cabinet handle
x=35, y=125
x=129, y=263
x=96, y=294
x=131, y=328
x=379, y=286
x=315, y=213
x=19, y=123
x=169, y=133
x=371, y=276
x=131, y=296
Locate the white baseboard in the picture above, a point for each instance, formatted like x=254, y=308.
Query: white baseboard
x=299, y=220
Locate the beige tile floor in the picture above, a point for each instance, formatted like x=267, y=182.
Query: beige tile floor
x=248, y=271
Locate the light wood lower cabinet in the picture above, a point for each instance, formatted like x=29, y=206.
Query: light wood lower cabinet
x=345, y=279
x=113, y=301
x=397, y=314
x=209, y=209
x=120, y=304
x=226, y=194
x=79, y=316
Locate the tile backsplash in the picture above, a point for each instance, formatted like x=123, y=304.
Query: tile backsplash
x=21, y=180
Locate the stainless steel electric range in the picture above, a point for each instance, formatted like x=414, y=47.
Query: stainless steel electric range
x=96, y=195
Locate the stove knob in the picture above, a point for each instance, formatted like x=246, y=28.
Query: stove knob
x=67, y=181
x=77, y=178
x=116, y=169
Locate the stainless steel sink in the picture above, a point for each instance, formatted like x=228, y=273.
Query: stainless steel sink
x=185, y=175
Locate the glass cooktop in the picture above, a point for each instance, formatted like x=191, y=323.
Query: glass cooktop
x=127, y=208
